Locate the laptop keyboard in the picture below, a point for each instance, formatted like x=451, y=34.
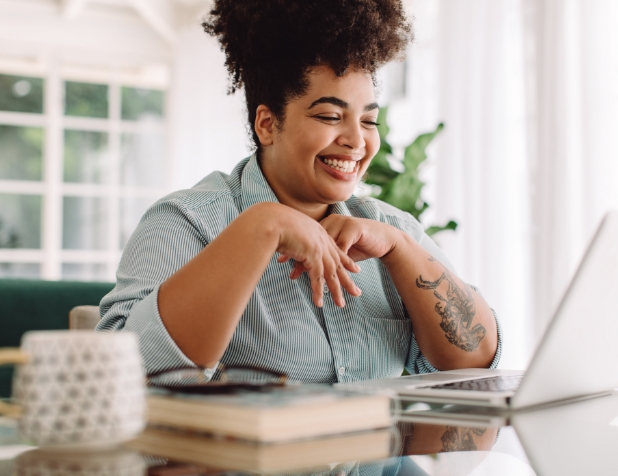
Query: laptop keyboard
x=501, y=383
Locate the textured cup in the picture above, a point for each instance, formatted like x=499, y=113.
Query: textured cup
x=80, y=388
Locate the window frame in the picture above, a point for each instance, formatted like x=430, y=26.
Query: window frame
x=52, y=188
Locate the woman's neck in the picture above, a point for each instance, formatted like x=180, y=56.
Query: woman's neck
x=314, y=210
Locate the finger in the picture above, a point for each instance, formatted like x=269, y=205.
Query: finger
x=347, y=282
x=329, y=220
x=345, y=233
x=344, y=277
x=297, y=270
x=347, y=262
x=346, y=238
x=333, y=227
x=332, y=281
x=317, y=284
x=283, y=259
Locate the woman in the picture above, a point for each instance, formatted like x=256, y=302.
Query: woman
x=254, y=268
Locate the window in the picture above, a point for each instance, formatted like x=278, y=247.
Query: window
x=80, y=162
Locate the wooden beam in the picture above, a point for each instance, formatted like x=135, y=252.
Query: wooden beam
x=159, y=14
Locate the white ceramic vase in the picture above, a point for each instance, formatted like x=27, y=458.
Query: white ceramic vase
x=80, y=388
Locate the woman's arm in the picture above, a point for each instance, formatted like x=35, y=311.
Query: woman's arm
x=426, y=438
x=201, y=304
x=453, y=325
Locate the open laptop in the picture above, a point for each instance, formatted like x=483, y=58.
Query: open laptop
x=577, y=357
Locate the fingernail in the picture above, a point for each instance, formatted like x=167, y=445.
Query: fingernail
x=320, y=303
x=357, y=267
x=358, y=290
x=342, y=303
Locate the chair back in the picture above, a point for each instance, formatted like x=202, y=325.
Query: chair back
x=28, y=305
x=84, y=318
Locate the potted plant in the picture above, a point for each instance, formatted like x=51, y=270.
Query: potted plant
x=402, y=189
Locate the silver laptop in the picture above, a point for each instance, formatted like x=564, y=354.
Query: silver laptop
x=577, y=357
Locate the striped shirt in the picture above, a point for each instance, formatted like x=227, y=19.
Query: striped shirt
x=281, y=329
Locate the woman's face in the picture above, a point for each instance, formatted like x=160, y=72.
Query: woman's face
x=327, y=139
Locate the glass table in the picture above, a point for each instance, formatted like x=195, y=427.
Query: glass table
x=571, y=439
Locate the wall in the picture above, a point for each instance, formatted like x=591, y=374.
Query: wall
x=207, y=125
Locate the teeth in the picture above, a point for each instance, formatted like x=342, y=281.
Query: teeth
x=346, y=166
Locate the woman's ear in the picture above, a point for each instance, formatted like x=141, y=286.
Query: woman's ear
x=264, y=125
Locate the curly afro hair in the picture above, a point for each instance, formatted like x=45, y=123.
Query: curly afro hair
x=271, y=45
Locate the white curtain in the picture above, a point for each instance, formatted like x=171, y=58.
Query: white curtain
x=528, y=160
x=573, y=131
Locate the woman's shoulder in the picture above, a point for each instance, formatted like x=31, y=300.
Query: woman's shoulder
x=371, y=207
x=213, y=190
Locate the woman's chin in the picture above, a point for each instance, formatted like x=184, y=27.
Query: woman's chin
x=334, y=196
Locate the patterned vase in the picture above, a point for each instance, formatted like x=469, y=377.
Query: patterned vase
x=80, y=388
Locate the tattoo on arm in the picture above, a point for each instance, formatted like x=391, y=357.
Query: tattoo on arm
x=457, y=438
x=457, y=311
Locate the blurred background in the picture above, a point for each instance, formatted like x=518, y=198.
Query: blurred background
x=107, y=105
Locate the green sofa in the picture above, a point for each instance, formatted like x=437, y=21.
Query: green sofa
x=27, y=305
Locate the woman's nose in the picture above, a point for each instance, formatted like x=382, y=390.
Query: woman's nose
x=352, y=137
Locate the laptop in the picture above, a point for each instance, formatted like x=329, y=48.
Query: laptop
x=577, y=357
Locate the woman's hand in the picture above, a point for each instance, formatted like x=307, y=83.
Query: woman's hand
x=308, y=243
x=357, y=239
x=360, y=238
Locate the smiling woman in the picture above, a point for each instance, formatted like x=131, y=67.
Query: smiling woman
x=253, y=269
x=330, y=131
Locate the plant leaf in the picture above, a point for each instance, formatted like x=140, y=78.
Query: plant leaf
x=432, y=230
x=414, y=154
x=402, y=190
x=379, y=171
x=405, y=193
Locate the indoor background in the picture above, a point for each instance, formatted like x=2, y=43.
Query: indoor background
x=107, y=105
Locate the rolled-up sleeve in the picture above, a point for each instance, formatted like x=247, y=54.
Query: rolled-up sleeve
x=165, y=239
x=417, y=363
x=158, y=349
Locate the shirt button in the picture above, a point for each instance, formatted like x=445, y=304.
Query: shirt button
x=325, y=289
x=341, y=370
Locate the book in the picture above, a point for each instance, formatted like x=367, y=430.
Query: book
x=232, y=454
x=274, y=414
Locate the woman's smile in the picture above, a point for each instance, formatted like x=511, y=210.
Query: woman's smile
x=317, y=155
x=340, y=167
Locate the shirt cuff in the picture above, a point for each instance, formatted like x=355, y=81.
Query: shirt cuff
x=158, y=349
x=496, y=361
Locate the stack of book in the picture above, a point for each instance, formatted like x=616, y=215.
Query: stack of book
x=275, y=429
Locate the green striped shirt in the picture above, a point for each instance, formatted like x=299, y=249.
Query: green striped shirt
x=280, y=329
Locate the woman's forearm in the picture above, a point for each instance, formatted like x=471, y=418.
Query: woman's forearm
x=201, y=304
x=453, y=325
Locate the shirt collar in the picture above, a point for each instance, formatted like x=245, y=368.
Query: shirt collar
x=255, y=189
x=339, y=208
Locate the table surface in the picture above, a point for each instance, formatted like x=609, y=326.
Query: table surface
x=571, y=439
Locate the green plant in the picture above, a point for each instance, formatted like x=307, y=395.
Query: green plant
x=403, y=189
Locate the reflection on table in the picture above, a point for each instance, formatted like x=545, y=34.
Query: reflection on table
x=578, y=438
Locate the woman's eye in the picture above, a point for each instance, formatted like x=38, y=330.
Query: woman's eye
x=327, y=118
x=371, y=123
